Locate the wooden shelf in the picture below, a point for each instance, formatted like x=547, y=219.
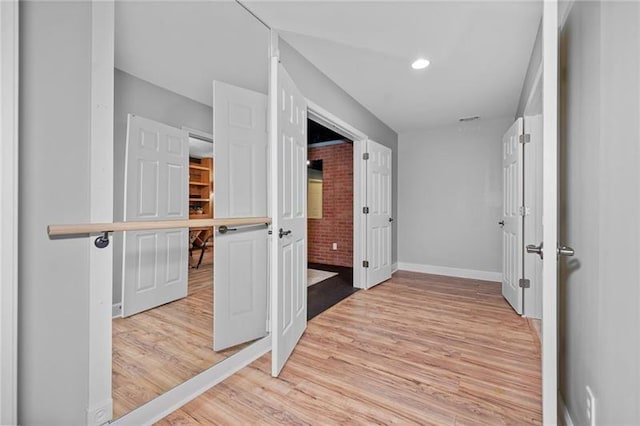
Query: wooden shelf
x=196, y=167
x=199, y=183
x=199, y=200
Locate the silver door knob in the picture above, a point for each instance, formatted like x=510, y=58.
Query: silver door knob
x=566, y=251
x=531, y=248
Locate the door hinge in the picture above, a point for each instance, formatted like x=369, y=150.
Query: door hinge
x=526, y=138
x=365, y=156
x=524, y=283
x=524, y=211
x=365, y=263
x=365, y=210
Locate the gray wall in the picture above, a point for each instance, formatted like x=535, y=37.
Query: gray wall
x=450, y=196
x=55, y=89
x=600, y=211
x=323, y=91
x=534, y=64
x=135, y=96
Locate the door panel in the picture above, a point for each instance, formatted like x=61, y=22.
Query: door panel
x=379, y=218
x=289, y=302
x=240, y=300
x=156, y=188
x=512, y=249
x=240, y=283
x=240, y=144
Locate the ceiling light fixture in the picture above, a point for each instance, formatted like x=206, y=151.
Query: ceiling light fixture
x=420, y=64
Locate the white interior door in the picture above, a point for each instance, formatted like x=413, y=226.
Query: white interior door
x=512, y=210
x=379, y=218
x=156, y=188
x=532, y=303
x=289, y=162
x=240, y=283
x=550, y=212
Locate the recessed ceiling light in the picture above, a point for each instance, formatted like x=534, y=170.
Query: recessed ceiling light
x=420, y=64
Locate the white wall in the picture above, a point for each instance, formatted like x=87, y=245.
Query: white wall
x=55, y=89
x=135, y=96
x=599, y=301
x=324, y=92
x=450, y=199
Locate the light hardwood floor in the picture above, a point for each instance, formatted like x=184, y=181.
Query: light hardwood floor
x=418, y=349
x=158, y=349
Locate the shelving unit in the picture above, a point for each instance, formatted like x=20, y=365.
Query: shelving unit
x=201, y=188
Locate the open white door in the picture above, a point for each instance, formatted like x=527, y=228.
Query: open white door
x=549, y=213
x=378, y=258
x=156, y=188
x=240, y=283
x=289, y=162
x=512, y=214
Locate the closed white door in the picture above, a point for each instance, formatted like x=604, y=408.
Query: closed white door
x=512, y=211
x=156, y=188
x=289, y=162
x=240, y=283
x=550, y=213
x=378, y=251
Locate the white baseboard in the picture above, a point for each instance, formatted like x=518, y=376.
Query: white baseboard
x=451, y=272
x=168, y=402
x=394, y=267
x=563, y=413
x=116, y=310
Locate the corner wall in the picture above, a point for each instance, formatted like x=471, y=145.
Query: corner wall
x=450, y=192
x=55, y=114
x=336, y=225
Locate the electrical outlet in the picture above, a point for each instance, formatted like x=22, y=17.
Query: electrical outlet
x=334, y=246
x=591, y=407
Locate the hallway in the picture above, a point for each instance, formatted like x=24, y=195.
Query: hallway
x=462, y=357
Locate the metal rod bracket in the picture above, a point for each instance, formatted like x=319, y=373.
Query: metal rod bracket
x=102, y=241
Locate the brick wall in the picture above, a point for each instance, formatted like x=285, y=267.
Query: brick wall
x=336, y=225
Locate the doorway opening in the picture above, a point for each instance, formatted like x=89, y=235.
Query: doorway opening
x=330, y=221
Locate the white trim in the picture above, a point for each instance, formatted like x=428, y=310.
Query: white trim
x=566, y=419
x=330, y=121
x=451, y=272
x=100, y=404
x=394, y=268
x=168, y=402
x=198, y=134
x=116, y=310
x=9, y=75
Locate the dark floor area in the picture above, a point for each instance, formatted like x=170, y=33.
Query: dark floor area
x=327, y=293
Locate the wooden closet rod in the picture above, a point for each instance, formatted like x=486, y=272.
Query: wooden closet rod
x=97, y=228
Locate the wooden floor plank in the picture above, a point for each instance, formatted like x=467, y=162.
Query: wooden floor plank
x=158, y=349
x=418, y=349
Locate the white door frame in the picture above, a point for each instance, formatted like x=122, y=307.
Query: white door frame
x=9, y=212
x=550, y=31
x=320, y=115
x=99, y=409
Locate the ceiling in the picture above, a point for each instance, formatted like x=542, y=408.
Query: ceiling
x=479, y=53
x=184, y=46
